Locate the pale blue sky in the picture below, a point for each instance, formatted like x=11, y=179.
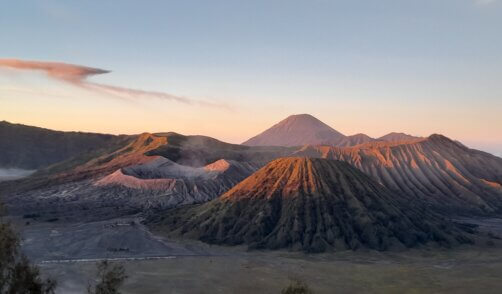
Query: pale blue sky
x=361, y=66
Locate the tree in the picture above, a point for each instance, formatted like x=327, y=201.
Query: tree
x=110, y=278
x=17, y=275
x=297, y=287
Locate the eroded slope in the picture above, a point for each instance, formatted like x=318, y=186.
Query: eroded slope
x=441, y=172
x=311, y=205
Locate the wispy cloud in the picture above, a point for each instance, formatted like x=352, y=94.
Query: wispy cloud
x=63, y=71
x=77, y=75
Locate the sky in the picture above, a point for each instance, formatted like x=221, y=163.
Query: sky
x=231, y=69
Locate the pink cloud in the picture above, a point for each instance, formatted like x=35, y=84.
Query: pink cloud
x=57, y=70
x=77, y=75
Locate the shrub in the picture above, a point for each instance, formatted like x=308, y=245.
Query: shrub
x=110, y=278
x=297, y=286
x=17, y=274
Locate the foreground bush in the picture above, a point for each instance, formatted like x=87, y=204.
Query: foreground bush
x=297, y=287
x=110, y=278
x=17, y=274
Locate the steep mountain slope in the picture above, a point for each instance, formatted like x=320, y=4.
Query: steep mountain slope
x=441, y=172
x=391, y=137
x=133, y=153
x=297, y=130
x=311, y=205
x=29, y=147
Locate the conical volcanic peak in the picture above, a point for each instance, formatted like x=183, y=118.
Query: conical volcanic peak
x=297, y=130
x=311, y=205
x=296, y=176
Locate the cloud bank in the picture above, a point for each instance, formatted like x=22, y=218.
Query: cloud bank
x=77, y=75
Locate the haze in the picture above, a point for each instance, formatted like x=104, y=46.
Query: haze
x=420, y=67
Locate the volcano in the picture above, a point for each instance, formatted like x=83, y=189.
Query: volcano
x=311, y=205
x=297, y=130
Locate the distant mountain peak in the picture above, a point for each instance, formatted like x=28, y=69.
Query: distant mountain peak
x=297, y=130
x=396, y=136
x=303, y=121
x=302, y=115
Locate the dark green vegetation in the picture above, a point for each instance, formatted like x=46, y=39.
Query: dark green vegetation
x=312, y=205
x=297, y=287
x=30, y=147
x=17, y=274
x=110, y=278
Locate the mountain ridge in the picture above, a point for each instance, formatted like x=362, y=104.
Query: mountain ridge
x=30, y=147
x=313, y=205
x=305, y=129
x=436, y=169
x=396, y=136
